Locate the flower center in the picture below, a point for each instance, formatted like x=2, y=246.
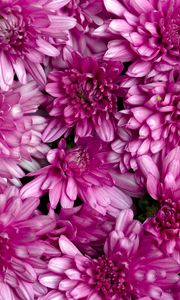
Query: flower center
x=12, y=32
x=170, y=29
x=78, y=160
x=110, y=279
x=167, y=220
x=5, y=253
x=88, y=94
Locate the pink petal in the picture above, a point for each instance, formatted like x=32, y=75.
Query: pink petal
x=82, y=290
x=148, y=166
x=125, y=217
x=71, y=188
x=141, y=5
x=6, y=69
x=115, y=7
x=59, y=264
x=50, y=280
x=139, y=68
x=46, y=48
x=67, y=247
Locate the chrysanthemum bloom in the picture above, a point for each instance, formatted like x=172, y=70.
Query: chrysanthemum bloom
x=165, y=227
x=82, y=171
x=131, y=267
x=84, y=226
x=163, y=182
x=150, y=124
x=86, y=98
x=146, y=32
x=21, y=246
x=28, y=33
x=20, y=129
x=89, y=15
x=162, y=179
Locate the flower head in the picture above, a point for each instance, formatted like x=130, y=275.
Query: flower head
x=82, y=171
x=20, y=129
x=86, y=98
x=84, y=226
x=165, y=227
x=88, y=15
x=150, y=122
x=22, y=246
x=162, y=179
x=126, y=270
x=28, y=33
x=145, y=32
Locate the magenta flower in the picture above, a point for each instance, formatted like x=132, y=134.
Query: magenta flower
x=162, y=179
x=146, y=32
x=85, y=98
x=163, y=182
x=131, y=267
x=22, y=246
x=84, y=226
x=150, y=124
x=82, y=171
x=88, y=15
x=20, y=130
x=165, y=227
x=28, y=33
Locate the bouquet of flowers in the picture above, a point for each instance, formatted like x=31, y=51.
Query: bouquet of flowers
x=89, y=149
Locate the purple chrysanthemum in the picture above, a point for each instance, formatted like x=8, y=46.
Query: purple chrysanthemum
x=28, y=33
x=20, y=129
x=146, y=32
x=86, y=98
x=162, y=179
x=83, y=171
x=22, y=246
x=163, y=182
x=131, y=267
x=88, y=15
x=150, y=124
x=84, y=226
x=165, y=227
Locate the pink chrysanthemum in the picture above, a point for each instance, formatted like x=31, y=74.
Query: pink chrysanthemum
x=28, y=33
x=131, y=267
x=86, y=98
x=84, y=226
x=20, y=130
x=163, y=182
x=146, y=32
x=150, y=124
x=165, y=227
x=162, y=179
x=21, y=246
x=89, y=15
x=82, y=171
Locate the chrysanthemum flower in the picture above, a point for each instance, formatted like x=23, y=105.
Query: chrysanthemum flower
x=86, y=98
x=163, y=182
x=84, y=226
x=150, y=124
x=131, y=267
x=146, y=32
x=22, y=246
x=20, y=129
x=89, y=15
x=82, y=171
x=29, y=32
x=162, y=179
x=165, y=227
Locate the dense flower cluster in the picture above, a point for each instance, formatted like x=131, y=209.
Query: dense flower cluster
x=89, y=150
